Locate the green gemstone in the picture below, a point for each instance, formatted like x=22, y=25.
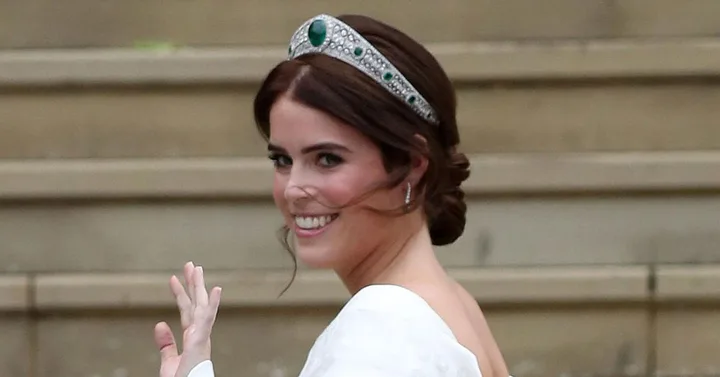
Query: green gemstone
x=317, y=32
x=387, y=76
x=411, y=100
x=289, y=50
x=358, y=51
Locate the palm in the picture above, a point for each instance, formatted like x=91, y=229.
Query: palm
x=172, y=364
x=198, y=311
x=169, y=366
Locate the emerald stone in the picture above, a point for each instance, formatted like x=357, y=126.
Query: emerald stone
x=358, y=51
x=387, y=76
x=317, y=32
x=411, y=100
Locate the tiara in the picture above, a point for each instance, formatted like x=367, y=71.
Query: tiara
x=329, y=36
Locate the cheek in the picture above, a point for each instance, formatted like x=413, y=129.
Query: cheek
x=341, y=190
x=338, y=190
x=279, y=184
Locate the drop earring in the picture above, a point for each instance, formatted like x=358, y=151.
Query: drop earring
x=408, y=192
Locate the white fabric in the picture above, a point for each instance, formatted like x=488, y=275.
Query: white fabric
x=204, y=369
x=385, y=331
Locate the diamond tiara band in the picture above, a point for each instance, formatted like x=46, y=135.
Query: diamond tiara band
x=329, y=36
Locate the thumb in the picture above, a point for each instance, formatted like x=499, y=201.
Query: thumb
x=165, y=341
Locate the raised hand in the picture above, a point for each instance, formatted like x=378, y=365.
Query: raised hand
x=198, y=311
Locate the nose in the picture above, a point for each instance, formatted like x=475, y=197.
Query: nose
x=297, y=189
x=296, y=194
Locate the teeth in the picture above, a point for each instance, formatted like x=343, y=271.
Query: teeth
x=312, y=222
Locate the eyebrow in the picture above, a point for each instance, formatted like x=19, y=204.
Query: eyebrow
x=328, y=146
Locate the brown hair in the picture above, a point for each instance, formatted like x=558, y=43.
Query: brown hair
x=340, y=90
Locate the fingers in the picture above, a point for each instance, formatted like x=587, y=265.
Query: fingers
x=205, y=315
x=206, y=305
x=198, y=309
x=165, y=341
x=183, y=302
x=189, y=272
x=201, y=295
x=214, y=302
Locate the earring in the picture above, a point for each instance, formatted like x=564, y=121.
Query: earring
x=408, y=192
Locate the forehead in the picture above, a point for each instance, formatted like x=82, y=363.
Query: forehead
x=294, y=124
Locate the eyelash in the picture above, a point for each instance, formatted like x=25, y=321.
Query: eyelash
x=334, y=159
x=276, y=159
x=280, y=160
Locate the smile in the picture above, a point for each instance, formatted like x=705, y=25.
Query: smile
x=314, y=222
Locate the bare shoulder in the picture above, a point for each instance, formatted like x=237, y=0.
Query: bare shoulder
x=462, y=314
x=483, y=332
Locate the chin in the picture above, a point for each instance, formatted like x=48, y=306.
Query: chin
x=315, y=256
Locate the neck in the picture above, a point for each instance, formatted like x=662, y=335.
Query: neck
x=401, y=262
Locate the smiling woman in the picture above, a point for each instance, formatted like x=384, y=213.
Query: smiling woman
x=361, y=127
x=323, y=156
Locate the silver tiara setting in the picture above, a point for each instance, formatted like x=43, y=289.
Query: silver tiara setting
x=329, y=36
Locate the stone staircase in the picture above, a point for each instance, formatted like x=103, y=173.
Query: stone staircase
x=127, y=148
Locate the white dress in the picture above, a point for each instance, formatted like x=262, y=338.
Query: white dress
x=384, y=331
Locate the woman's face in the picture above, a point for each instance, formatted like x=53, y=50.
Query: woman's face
x=321, y=165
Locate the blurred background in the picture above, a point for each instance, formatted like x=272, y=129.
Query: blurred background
x=127, y=148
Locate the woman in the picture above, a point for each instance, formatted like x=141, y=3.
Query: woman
x=360, y=123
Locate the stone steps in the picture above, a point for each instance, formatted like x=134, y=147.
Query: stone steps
x=463, y=61
x=575, y=97
x=250, y=342
x=593, y=204
x=625, y=321
x=625, y=284
x=117, y=237
x=492, y=174
x=491, y=286
x=115, y=23
x=149, y=215
x=214, y=122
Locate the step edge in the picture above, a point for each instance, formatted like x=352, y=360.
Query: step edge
x=241, y=289
x=464, y=61
x=15, y=293
x=491, y=174
x=688, y=283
